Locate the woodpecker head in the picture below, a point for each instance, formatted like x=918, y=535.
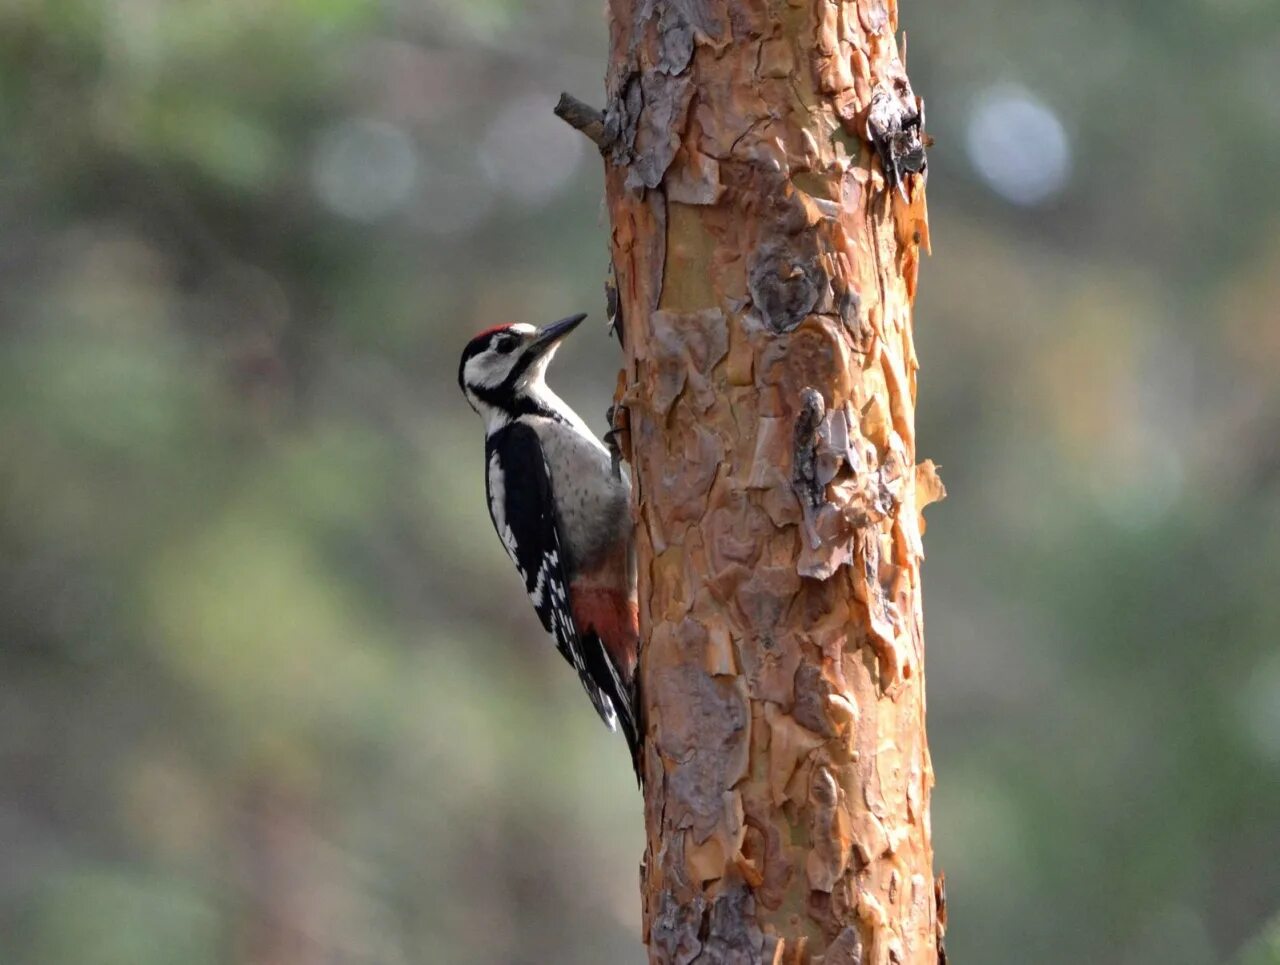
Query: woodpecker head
x=503, y=368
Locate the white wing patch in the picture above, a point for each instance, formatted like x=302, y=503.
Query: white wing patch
x=547, y=573
x=497, y=505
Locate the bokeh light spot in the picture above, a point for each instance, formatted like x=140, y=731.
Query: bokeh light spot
x=527, y=153
x=453, y=199
x=1018, y=145
x=364, y=169
x=1259, y=709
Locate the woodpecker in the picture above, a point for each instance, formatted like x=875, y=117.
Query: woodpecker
x=561, y=511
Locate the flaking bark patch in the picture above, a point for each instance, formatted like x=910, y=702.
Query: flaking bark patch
x=696, y=180
x=697, y=932
x=769, y=667
x=686, y=475
x=812, y=700
x=804, y=460
x=789, y=745
x=829, y=857
x=703, y=734
x=846, y=949
x=622, y=118
x=675, y=40
x=685, y=349
x=734, y=935
x=895, y=127
x=940, y=903
x=785, y=285
x=675, y=928
x=701, y=18
x=665, y=103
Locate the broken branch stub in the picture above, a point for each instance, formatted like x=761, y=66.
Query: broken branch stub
x=582, y=117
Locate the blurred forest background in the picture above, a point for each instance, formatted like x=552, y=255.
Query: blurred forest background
x=269, y=691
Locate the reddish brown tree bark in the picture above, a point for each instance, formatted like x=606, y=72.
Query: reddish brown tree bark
x=766, y=195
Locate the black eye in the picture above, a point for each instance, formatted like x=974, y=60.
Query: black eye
x=505, y=343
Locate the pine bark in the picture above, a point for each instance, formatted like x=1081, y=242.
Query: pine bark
x=766, y=193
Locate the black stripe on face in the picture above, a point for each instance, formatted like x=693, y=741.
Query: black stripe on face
x=504, y=398
x=497, y=397
x=528, y=355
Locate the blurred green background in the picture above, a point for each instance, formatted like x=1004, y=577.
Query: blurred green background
x=269, y=691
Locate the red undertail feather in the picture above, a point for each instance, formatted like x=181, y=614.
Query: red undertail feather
x=614, y=619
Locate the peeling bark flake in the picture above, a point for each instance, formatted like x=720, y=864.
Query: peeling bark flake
x=929, y=485
x=829, y=856
x=622, y=118
x=812, y=695
x=804, y=470
x=675, y=40
x=696, y=180
x=658, y=128
x=701, y=15
x=940, y=903
x=687, y=476
x=788, y=744
x=765, y=471
x=846, y=949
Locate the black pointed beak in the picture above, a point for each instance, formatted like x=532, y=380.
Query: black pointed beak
x=552, y=333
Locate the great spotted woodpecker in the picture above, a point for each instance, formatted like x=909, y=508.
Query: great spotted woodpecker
x=562, y=512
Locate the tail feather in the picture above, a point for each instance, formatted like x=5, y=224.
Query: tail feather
x=621, y=693
x=633, y=731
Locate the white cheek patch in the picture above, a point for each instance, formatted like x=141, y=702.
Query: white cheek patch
x=487, y=370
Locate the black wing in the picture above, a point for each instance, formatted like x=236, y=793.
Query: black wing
x=522, y=508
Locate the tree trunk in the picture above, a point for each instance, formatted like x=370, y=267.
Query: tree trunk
x=766, y=193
